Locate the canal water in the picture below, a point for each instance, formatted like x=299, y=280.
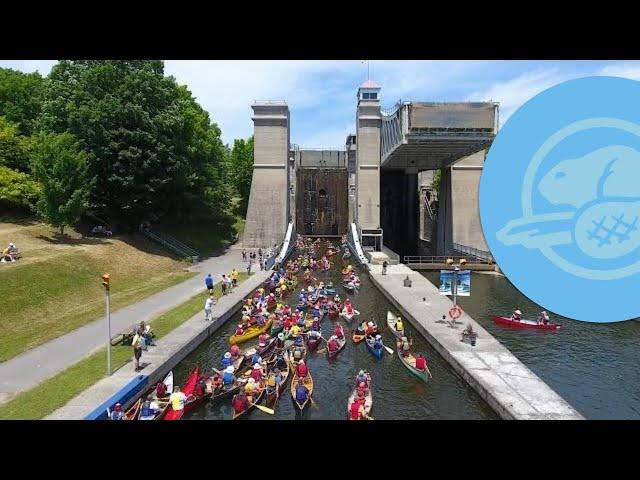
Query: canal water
x=396, y=393
x=595, y=367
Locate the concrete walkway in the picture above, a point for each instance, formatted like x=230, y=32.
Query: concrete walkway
x=508, y=386
x=158, y=360
x=32, y=367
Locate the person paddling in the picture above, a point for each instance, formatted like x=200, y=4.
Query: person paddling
x=421, y=363
x=302, y=392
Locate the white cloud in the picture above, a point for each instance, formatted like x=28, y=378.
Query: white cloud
x=626, y=70
x=512, y=93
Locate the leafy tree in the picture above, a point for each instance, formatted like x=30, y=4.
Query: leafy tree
x=14, y=152
x=241, y=169
x=18, y=189
x=61, y=167
x=152, y=150
x=21, y=98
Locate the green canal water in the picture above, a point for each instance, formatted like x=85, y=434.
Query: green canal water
x=396, y=393
x=595, y=367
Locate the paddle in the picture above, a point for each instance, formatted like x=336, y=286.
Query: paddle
x=387, y=349
x=268, y=410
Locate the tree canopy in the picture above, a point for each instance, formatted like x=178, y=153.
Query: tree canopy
x=241, y=169
x=14, y=148
x=21, y=98
x=151, y=149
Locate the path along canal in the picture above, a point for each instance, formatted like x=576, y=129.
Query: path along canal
x=396, y=393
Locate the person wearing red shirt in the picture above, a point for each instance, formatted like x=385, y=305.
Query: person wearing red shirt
x=240, y=403
x=302, y=369
x=333, y=344
x=256, y=373
x=339, y=332
x=421, y=363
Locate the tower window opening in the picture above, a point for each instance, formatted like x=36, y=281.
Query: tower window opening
x=322, y=193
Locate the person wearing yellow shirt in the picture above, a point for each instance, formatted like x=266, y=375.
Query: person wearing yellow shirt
x=234, y=277
x=177, y=399
x=295, y=330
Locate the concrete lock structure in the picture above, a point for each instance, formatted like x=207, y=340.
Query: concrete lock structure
x=382, y=181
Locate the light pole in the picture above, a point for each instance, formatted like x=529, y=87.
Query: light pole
x=454, y=285
x=106, y=283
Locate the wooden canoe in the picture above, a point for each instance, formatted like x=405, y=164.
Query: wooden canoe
x=133, y=411
x=347, y=316
x=391, y=323
x=312, y=343
x=273, y=394
x=308, y=382
x=258, y=398
x=410, y=362
x=163, y=402
x=250, y=333
x=357, y=337
x=368, y=400
x=248, y=353
x=292, y=361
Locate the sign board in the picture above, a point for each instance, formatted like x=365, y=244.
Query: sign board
x=463, y=280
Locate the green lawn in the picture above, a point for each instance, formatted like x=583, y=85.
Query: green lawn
x=54, y=393
x=56, y=286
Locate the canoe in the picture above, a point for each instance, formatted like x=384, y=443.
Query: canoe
x=341, y=344
x=376, y=353
x=248, y=353
x=133, y=411
x=163, y=401
x=349, y=288
x=188, y=389
x=391, y=323
x=357, y=337
x=308, y=382
x=368, y=400
x=525, y=324
x=273, y=394
x=312, y=343
x=348, y=317
x=276, y=328
x=224, y=391
x=292, y=361
x=258, y=398
x=250, y=333
x=410, y=362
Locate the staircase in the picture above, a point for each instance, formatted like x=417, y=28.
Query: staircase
x=172, y=244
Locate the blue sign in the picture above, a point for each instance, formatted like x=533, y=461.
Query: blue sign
x=463, y=281
x=560, y=199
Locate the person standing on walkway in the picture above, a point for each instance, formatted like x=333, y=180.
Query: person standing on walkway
x=209, y=283
x=384, y=267
x=248, y=268
x=244, y=255
x=234, y=277
x=223, y=284
x=137, y=348
x=260, y=253
x=208, y=306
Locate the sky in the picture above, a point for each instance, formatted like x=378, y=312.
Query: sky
x=321, y=94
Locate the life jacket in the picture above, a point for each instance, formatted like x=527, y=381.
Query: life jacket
x=228, y=378
x=239, y=404
x=421, y=363
x=355, y=411
x=256, y=374
x=301, y=393
x=399, y=326
x=349, y=308
x=117, y=415
x=271, y=381
x=226, y=362
x=161, y=390
x=333, y=345
x=302, y=370
x=177, y=402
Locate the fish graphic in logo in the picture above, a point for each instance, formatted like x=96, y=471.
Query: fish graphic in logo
x=602, y=196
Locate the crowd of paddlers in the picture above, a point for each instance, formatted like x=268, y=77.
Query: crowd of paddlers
x=256, y=377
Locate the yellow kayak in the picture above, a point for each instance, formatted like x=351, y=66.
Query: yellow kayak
x=250, y=333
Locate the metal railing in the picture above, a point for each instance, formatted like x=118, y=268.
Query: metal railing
x=475, y=252
x=409, y=259
x=172, y=244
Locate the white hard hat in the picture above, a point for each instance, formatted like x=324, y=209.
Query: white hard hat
x=256, y=366
x=227, y=355
x=518, y=312
x=378, y=337
x=370, y=324
x=229, y=369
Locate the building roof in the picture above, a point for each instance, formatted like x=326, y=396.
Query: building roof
x=370, y=84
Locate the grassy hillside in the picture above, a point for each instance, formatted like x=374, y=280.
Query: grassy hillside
x=56, y=287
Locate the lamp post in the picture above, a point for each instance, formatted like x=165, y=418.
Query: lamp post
x=454, y=285
x=106, y=283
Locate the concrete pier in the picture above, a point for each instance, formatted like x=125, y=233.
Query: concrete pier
x=159, y=360
x=507, y=385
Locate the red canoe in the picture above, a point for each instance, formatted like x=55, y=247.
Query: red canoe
x=188, y=389
x=525, y=324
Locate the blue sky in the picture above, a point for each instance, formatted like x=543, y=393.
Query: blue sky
x=321, y=94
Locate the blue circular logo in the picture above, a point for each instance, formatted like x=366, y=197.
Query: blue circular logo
x=560, y=199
